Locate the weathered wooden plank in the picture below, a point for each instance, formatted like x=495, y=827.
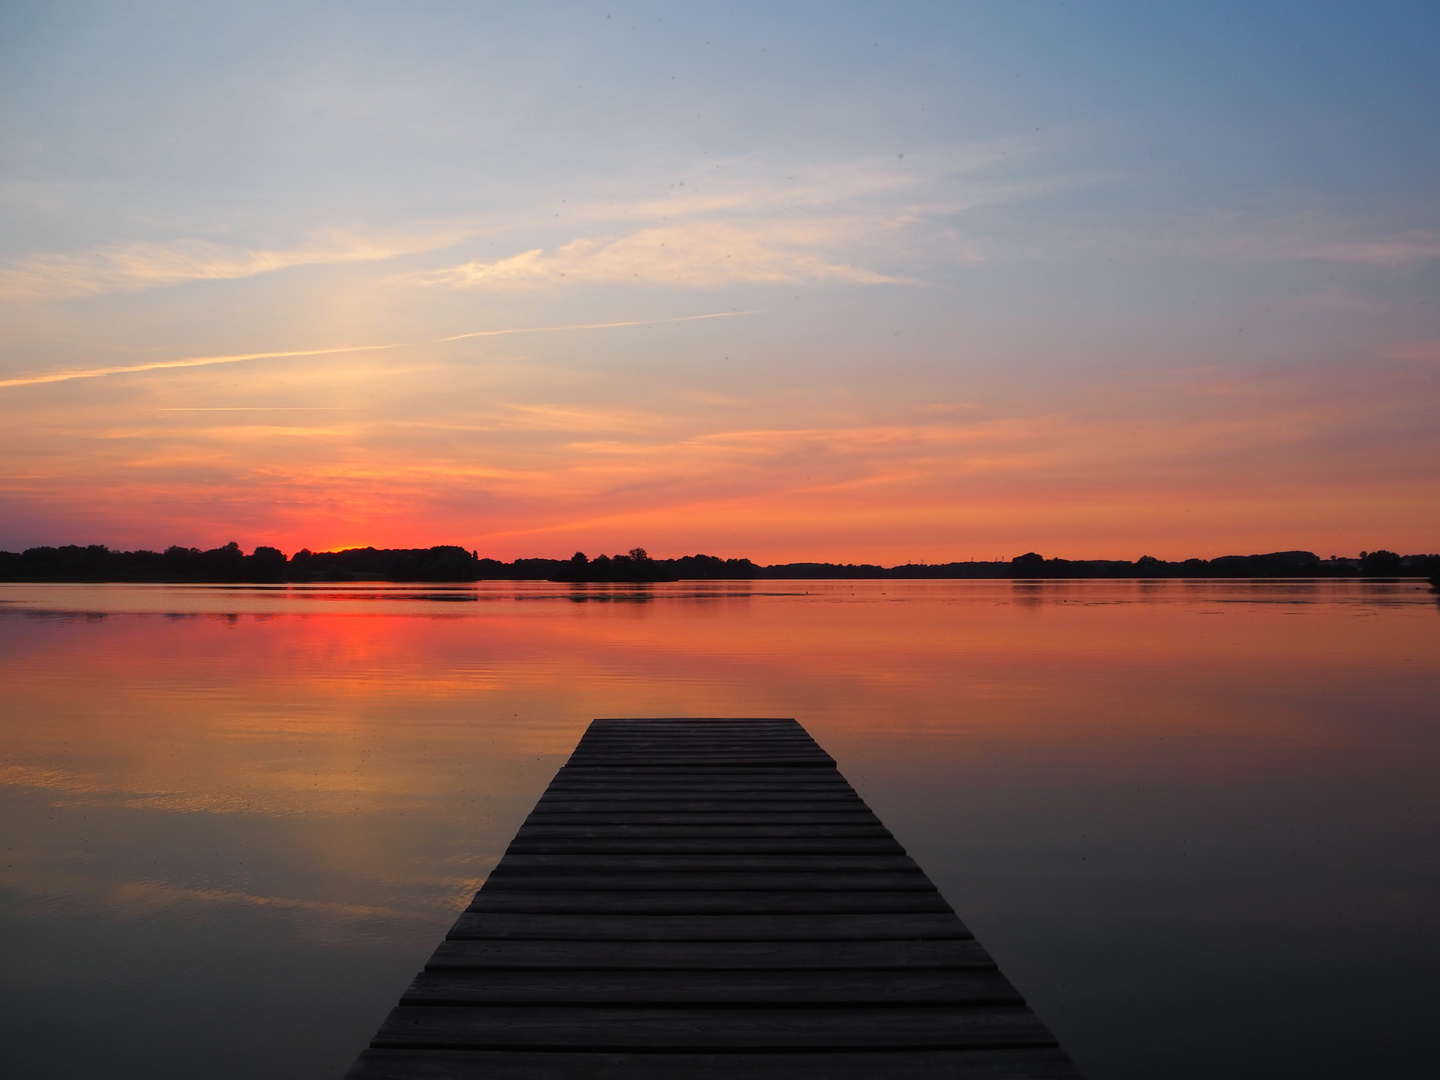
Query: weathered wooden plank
x=728, y=761
x=748, y=735
x=603, y=726
x=751, y=743
x=783, y=778
x=740, y=740
x=702, y=789
x=701, y=809
x=1009, y=1064
x=800, y=774
x=682, y=864
x=709, y=955
x=658, y=831
x=796, y=779
x=777, y=749
x=738, y=744
x=631, y=767
x=750, y=740
x=562, y=809
x=632, y=1027
x=740, y=747
x=671, y=745
x=766, y=756
x=818, y=783
x=697, y=788
x=510, y=880
x=700, y=757
x=706, y=902
x=742, y=766
x=680, y=739
x=697, y=796
x=921, y=986
x=799, y=778
x=757, y=845
x=608, y=725
x=851, y=927
x=745, y=801
x=680, y=736
x=846, y=816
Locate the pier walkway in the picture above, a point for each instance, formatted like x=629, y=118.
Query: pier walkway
x=702, y=899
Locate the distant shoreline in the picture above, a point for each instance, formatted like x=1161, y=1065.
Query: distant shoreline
x=446, y=563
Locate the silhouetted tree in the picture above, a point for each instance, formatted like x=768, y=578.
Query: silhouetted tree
x=1380, y=563
x=1031, y=564
x=266, y=564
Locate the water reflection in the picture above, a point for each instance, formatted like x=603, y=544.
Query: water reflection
x=1184, y=815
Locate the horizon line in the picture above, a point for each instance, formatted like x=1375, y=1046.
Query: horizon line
x=474, y=553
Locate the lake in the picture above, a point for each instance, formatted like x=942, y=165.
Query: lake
x=1196, y=823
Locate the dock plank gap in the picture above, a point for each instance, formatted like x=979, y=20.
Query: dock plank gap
x=706, y=899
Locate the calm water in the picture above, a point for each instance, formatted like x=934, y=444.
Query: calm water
x=1198, y=824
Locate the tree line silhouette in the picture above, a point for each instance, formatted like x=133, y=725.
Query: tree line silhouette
x=97, y=563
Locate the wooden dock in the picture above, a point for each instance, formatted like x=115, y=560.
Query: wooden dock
x=702, y=899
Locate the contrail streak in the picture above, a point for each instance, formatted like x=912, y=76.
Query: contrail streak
x=192, y=361
x=207, y=361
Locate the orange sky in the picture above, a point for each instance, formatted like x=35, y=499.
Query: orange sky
x=1194, y=462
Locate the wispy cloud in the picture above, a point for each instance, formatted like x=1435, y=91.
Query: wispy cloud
x=1400, y=249
x=1425, y=351
x=593, y=326
x=851, y=222
x=1292, y=238
x=144, y=265
x=740, y=220
x=702, y=254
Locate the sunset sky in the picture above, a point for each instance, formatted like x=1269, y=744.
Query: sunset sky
x=838, y=281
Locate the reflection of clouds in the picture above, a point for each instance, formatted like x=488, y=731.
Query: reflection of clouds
x=143, y=895
x=37, y=776
x=291, y=793
x=415, y=905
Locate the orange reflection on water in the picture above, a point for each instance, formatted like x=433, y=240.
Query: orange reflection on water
x=307, y=701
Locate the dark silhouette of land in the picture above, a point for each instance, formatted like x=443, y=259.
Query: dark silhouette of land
x=229, y=564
